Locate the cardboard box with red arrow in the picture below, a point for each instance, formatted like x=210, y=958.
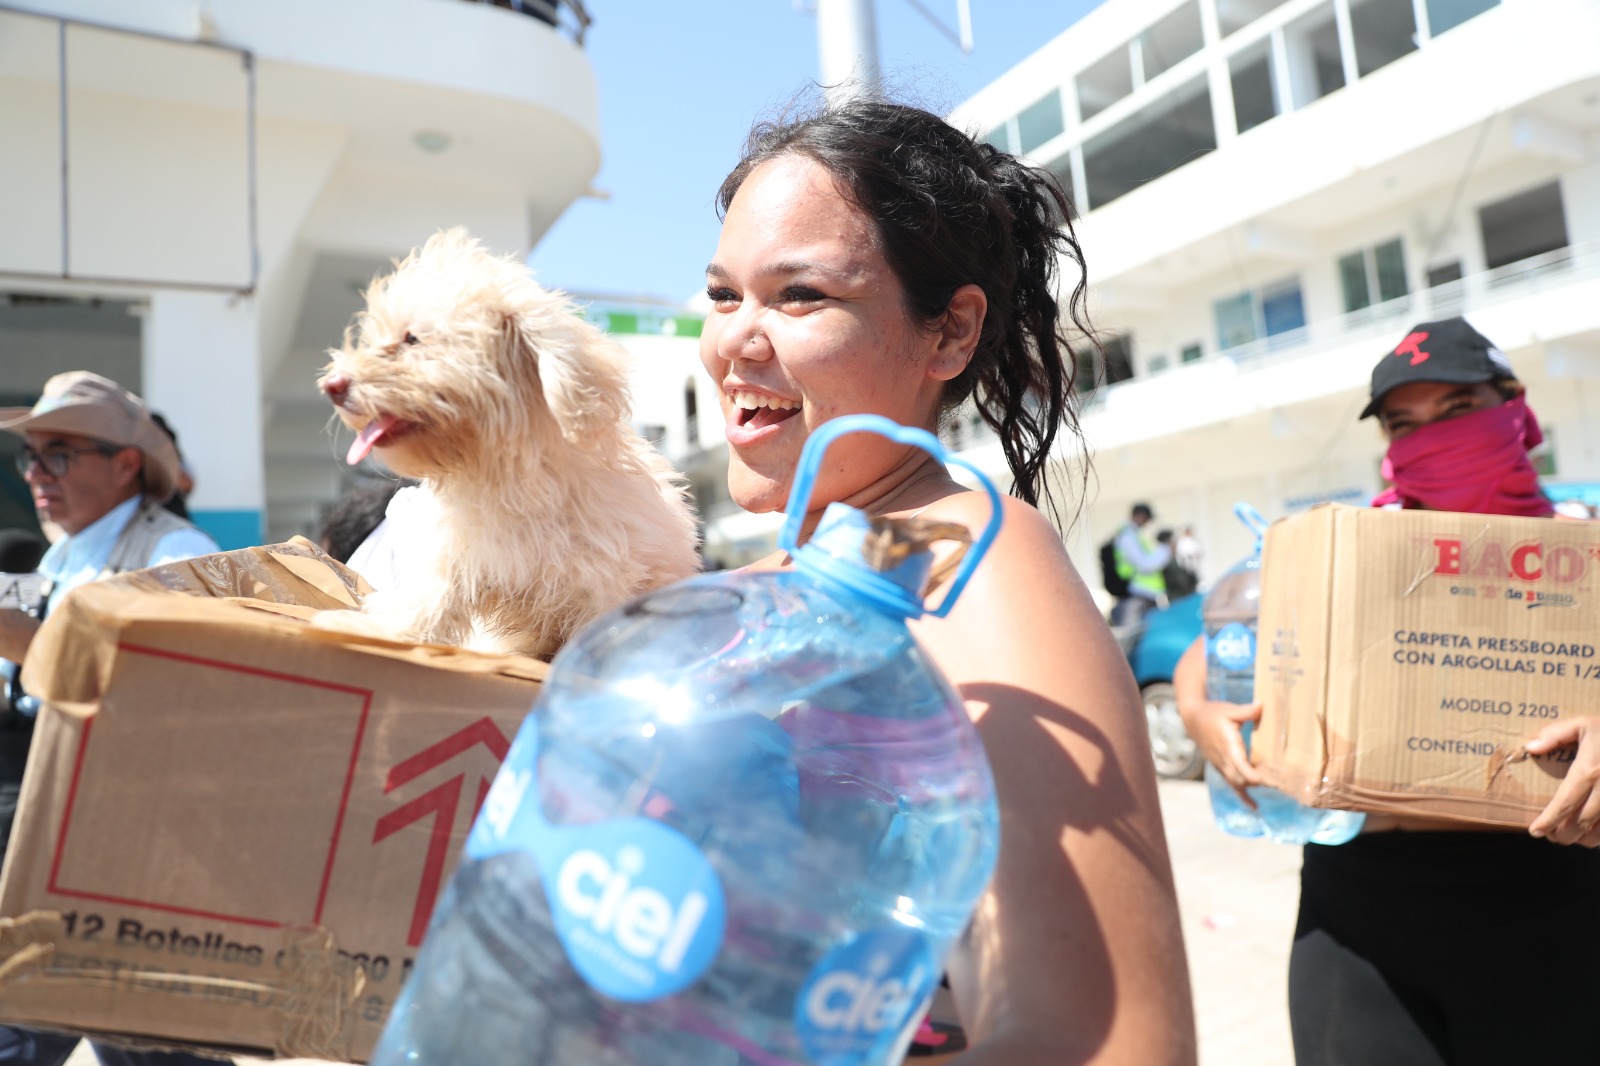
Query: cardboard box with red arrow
x=234, y=826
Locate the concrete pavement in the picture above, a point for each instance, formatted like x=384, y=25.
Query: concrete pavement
x=1237, y=899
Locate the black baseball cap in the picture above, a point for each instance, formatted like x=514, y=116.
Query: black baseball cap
x=1449, y=350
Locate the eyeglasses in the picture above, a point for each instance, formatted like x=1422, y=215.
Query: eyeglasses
x=56, y=460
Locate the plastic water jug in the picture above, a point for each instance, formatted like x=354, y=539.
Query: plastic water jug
x=1229, y=613
x=744, y=823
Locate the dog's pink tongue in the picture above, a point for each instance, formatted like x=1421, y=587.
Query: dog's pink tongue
x=368, y=438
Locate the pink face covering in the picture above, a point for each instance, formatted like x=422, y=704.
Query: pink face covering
x=1477, y=463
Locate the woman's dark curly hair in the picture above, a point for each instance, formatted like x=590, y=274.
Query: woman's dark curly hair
x=952, y=211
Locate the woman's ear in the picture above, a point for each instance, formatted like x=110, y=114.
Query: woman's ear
x=958, y=333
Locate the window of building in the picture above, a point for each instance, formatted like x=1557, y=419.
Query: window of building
x=1236, y=320
x=1234, y=15
x=1157, y=363
x=1116, y=353
x=1114, y=363
x=1103, y=83
x=1527, y=224
x=1444, y=273
x=1172, y=131
x=1448, y=14
x=1254, y=100
x=1383, y=31
x=1373, y=275
x=1169, y=41
x=1389, y=263
x=1173, y=38
x=1273, y=311
x=1190, y=353
x=1061, y=167
x=1000, y=137
x=1316, y=66
x=1282, y=309
x=1041, y=121
x=1354, y=280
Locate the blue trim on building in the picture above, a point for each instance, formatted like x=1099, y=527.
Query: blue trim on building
x=230, y=529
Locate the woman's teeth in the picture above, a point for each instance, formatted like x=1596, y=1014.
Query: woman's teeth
x=754, y=401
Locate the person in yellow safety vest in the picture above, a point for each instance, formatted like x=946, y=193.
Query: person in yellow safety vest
x=1140, y=561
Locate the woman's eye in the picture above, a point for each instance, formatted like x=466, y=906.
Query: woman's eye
x=800, y=294
x=721, y=296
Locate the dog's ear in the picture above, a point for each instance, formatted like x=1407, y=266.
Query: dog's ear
x=583, y=374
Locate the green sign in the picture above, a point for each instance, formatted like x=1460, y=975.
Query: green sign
x=646, y=323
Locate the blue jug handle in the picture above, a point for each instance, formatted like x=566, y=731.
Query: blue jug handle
x=1252, y=519
x=811, y=458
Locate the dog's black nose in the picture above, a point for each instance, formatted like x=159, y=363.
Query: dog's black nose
x=336, y=385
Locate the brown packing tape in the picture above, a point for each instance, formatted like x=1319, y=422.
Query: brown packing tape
x=319, y=1005
x=1466, y=809
x=25, y=943
x=283, y=585
x=314, y=992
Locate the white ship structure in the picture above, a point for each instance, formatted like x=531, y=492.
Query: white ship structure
x=1272, y=192
x=193, y=193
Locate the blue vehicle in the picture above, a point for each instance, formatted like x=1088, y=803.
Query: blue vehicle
x=1154, y=647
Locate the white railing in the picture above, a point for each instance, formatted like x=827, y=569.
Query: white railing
x=570, y=16
x=1475, y=292
x=1514, y=281
x=1380, y=322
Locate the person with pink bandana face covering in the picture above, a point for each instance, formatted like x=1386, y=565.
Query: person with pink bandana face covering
x=1412, y=941
x=1459, y=427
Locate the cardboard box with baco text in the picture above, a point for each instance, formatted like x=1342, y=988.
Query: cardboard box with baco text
x=1405, y=657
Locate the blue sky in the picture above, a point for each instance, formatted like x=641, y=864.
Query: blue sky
x=680, y=84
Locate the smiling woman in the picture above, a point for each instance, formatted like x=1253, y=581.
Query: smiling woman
x=873, y=259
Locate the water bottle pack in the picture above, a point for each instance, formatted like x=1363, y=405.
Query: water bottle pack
x=744, y=823
x=1229, y=615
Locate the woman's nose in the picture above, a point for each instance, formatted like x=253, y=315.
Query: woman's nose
x=745, y=339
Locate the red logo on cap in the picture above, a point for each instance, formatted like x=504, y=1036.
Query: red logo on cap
x=1411, y=346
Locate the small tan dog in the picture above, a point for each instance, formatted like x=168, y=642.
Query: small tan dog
x=540, y=507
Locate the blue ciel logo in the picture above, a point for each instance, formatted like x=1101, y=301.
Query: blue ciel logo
x=638, y=908
x=859, y=1001
x=1234, y=646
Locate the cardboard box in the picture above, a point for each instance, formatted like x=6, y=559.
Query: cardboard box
x=234, y=826
x=1404, y=658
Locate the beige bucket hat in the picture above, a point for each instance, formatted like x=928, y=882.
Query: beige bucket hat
x=89, y=405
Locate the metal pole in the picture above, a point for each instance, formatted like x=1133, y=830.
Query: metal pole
x=847, y=47
x=250, y=168
x=61, y=91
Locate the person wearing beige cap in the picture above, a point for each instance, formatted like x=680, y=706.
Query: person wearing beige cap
x=99, y=468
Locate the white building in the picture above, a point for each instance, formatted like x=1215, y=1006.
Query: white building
x=1273, y=191
x=194, y=192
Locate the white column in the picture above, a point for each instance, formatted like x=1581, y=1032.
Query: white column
x=1219, y=77
x=1347, y=41
x=1284, y=98
x=1419, y=11
x=202, y=371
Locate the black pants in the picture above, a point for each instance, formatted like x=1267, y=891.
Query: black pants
x=1447, y=949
